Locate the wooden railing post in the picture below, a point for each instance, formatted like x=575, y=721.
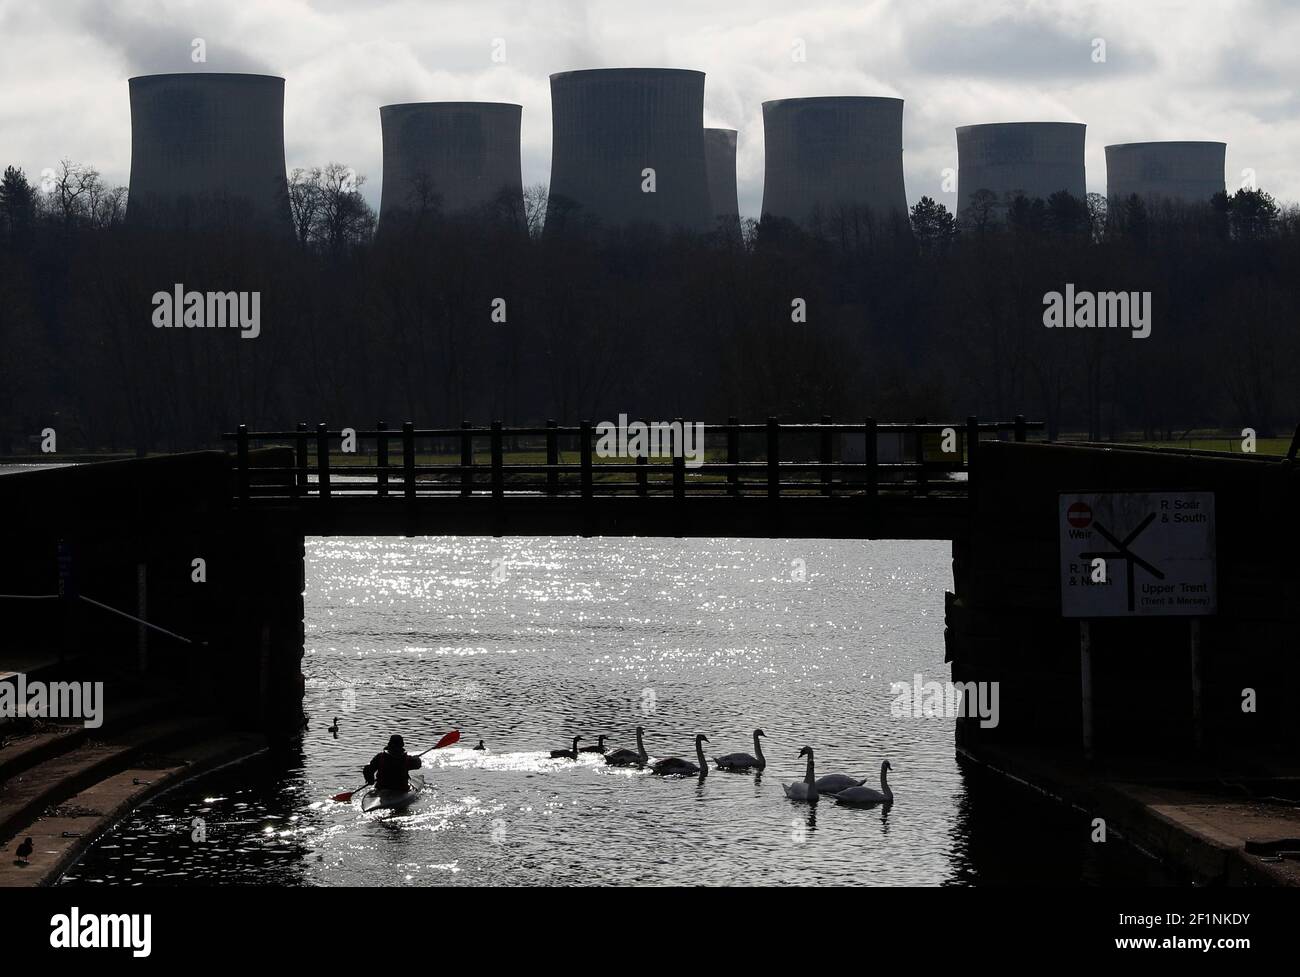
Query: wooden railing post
x=827, y=456
x=552, y=458
x=1020, y=428
x=381, y=458
x=733, y=455
x=584, y=455
x=972, y=449
x=498, y=464
x=922, y=481
x=241, y=460
x=408, y=460
x=300, y=458
x=323, y=460
x=773, y=459
x=871, y=457
x=642, y=475
x=679, y=461
x=466, y=459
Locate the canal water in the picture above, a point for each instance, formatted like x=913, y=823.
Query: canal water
x=524, y=643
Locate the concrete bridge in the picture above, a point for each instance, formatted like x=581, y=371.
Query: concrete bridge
x=866, y=480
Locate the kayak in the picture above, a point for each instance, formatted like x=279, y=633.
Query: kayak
x=392, y=800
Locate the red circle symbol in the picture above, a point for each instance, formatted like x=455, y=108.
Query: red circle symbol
x=1079, y=515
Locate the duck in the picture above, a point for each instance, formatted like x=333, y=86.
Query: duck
x=806, y=789
x=480, y=746
x=629, y=758
x=743, y=761
x=24, y=852
x=567, y=754
x=866, y=795
x=833, y=783
x=598, y=748
x=676, y=766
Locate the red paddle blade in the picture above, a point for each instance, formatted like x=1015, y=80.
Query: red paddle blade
x=345, y=796
x=447, y=740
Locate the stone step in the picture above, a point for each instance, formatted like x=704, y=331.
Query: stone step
x=26, y=795
x=61, y=834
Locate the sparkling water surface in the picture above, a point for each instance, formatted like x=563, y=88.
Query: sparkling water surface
x=525, y=643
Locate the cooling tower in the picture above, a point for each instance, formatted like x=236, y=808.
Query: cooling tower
x=455, y=157
x=1033, y=159
x=720, y=164
x=828, y=154
x=609, y=125
x=1188, y=172
x=206, y=149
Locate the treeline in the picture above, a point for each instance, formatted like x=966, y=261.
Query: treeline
x=446, y=319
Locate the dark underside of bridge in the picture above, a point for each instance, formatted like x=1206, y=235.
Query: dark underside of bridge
x=934, y=516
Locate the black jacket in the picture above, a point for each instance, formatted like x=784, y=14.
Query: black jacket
x=388, y=770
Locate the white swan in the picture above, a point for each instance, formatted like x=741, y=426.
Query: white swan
x=865, y=795
x=676, y=766
x=806, y=789
x=743, y=761
x=629, y=758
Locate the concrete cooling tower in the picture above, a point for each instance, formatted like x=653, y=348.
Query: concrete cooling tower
x=1186, y=172
x=611, y=124
x=453, y=157
x=207, y=149
x=1036, y=159
x=720, y=164
x=827, y=154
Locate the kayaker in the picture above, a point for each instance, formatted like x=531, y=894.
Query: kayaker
x=387, y=771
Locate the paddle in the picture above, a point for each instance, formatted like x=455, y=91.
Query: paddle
x=447, y=740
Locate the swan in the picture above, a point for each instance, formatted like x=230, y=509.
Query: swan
x=806, y=789
x=629, y=758
x=677, y=766
x=743, y=761
x=598, y=748
x=567, y=754
x=480, y=746
x=866, y=795
x=333, y=730
x=833, y=783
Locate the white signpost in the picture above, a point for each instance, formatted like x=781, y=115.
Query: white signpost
x=1137, y=554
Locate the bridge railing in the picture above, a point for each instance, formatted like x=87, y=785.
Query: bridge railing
x=771, y=459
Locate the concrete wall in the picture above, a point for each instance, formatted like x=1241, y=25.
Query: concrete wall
x=1186, y=172
x=608, y=125
x=827, y=154
x=1003, y=623
x=455, y=157
x=155, y=516
x=207, y=149
x=1036, y=159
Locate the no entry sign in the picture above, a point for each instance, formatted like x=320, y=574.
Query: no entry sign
x=1137, y=554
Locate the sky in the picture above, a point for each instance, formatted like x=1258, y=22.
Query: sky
x=1221, y=70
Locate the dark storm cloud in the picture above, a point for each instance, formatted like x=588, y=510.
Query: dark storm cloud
x=158, y=42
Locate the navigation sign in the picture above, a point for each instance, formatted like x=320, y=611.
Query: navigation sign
x=1137, y=554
